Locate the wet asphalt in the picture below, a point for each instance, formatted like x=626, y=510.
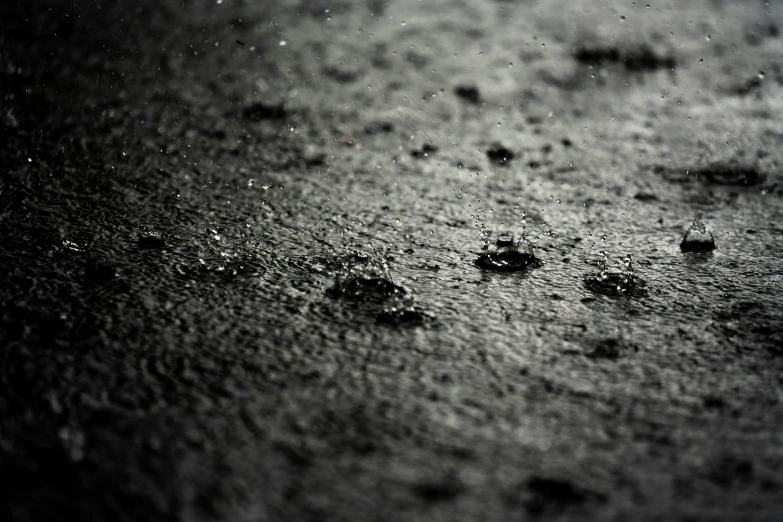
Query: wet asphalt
x=242, y=276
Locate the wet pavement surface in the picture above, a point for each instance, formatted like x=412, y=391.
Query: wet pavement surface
x=241, y=276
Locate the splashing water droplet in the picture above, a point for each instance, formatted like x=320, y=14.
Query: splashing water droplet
x=508, y=255
x=372, y=280
x=602, y=266
x=698, y=238
x=616, y=283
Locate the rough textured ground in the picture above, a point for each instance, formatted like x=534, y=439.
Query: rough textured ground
x=181, y=181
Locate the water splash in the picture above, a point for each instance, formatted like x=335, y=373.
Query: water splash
x=225, y=268
x=626, y=273
x=602, y=267
x=508, y=255
x=371, y=280
x=523, y=222
x=404, y=311
x=480, y=220
x=620, y=282
x=367, y=280
x=698, y=238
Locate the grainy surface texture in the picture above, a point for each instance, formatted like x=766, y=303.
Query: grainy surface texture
x=238, y=249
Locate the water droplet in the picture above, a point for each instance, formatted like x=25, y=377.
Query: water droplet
x=698, y=238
